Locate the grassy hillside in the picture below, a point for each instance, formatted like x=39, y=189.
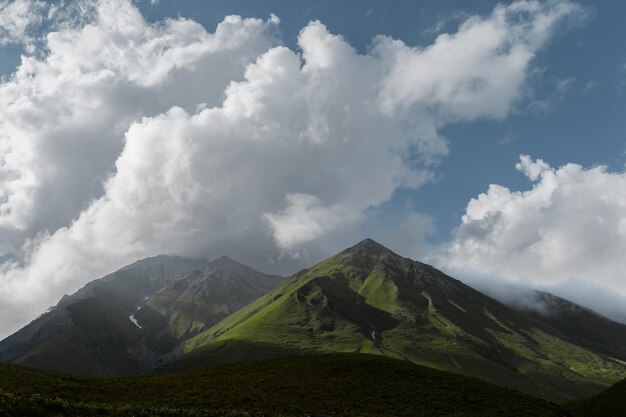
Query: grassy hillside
x=200, y=299
x=609, y=403
x=337, y=385
x=368, y=299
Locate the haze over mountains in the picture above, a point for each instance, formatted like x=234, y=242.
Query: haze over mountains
x=170, y=313
x=131, y=320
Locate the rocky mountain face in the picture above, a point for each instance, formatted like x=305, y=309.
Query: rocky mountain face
x=135, y=318
x=368, y=299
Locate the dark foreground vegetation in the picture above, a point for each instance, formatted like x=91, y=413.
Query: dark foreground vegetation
x=334, y=385
x=609, y=403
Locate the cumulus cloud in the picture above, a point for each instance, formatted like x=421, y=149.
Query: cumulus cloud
x=566, y=234
x=486, y=61
x=63, y=117
x=125, y=139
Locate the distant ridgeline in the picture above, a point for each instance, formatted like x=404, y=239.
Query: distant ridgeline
x=133, y=320
x=168, y=314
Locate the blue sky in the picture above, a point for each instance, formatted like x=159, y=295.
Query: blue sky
x=133, y=128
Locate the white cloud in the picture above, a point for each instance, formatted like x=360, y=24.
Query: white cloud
x=64, y=116
x=128, y=139
x=532, y=169
x=485, y=62
x=570, y=227
x=18, y=19
x=305, y=218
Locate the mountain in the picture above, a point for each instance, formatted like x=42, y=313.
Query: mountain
x=339, y=385
x=198, y=300
x=133, y=319
x=368, y=299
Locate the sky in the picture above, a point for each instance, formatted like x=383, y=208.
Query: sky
x=485, y=138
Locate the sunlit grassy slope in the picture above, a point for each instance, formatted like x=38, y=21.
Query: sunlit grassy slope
x=368, y=299
x=336, y=385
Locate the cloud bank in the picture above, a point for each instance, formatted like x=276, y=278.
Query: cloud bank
x=122, y=139
x=567, y=234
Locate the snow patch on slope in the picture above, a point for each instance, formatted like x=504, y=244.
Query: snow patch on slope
x=134, y=321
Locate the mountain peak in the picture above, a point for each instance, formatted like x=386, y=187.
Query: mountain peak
x=157, y=261
x=369, y=244
x=224, y=259
x=229, y=265
x=226, y=262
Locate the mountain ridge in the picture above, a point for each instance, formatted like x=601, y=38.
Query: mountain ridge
x=364, y=299
x=99, y=330
x=369, y=299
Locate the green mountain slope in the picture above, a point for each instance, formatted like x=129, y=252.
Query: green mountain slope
x=368, y=299
x=130, y=321
x=341, y=385
x=200, y=299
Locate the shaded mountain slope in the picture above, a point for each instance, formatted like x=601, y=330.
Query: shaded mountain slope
x=368, y=299
x=200, y=299
x=585, y=326
x=341, y=385
x=128, y=322
x=608, y=403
